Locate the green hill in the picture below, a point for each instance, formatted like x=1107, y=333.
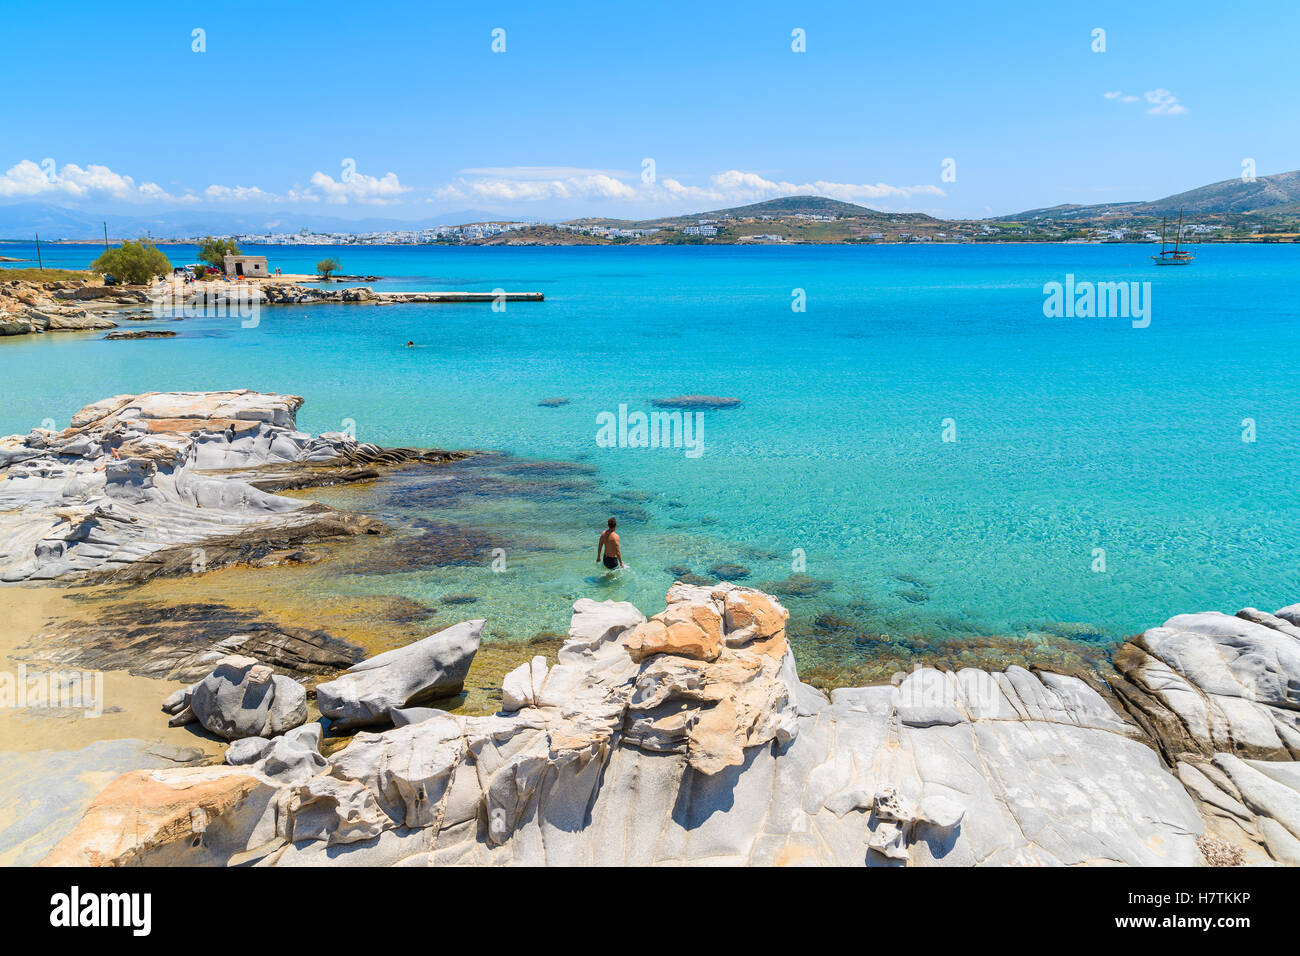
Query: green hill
x=1276, y=193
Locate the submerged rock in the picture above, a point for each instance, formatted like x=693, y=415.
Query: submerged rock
x=184, y=641
x=697, y=402
x=140, y=334
x=729, y=572
x=695, y=579
x=435, y=667
x=798, y=585
x=458, y=599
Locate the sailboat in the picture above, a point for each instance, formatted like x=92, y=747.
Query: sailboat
x=1174, y=256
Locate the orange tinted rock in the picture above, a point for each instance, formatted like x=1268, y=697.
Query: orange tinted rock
x=722, y=678
x=717, y=739
x=704, y=617
x=150, y=816
x=751, y=711
x=683, y=636
x=752, y=615
x=774, y=647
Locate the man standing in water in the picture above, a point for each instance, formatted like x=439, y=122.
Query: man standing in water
x=609, y=544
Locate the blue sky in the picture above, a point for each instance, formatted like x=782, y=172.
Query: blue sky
x=560, y=123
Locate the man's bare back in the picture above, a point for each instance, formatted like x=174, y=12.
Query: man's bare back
x=609, y=544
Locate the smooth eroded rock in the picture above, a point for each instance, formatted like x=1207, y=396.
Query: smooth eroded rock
x=243, y=698
x=405, y=677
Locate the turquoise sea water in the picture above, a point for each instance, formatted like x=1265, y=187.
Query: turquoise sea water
x=1072, y=434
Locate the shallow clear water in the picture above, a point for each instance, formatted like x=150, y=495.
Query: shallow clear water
x=1072, y=434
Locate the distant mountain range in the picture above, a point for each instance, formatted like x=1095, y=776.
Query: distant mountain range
x=791, y=206
x=783, y=206
x=1275, y=194
x=1272, y=198
x=21, y=220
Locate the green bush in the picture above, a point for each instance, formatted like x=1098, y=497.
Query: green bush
x=214, y=251
x=326, y=267
x=133, y=262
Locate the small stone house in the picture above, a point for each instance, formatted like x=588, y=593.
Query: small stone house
x=252, y=266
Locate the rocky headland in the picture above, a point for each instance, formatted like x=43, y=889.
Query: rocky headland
x=29, y=308
x=32, y=307
x=157, y=483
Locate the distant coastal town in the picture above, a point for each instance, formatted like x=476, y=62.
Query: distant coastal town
x=797, y=228
x=1212, y=214
x=1266, y=209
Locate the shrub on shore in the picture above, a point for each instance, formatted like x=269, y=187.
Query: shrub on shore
x=327, y=267
x=213, y=251
x=134, y=263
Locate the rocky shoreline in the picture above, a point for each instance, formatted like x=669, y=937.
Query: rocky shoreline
x=687, y=738
x=149, y=484
x=275, y=294
x=33, y=308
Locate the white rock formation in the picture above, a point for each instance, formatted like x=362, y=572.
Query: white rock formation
x=689, y=739
x=293, y=757
x=32, y=307
x=368, y=692
x=1221, y=695
x=137, y=475
x=1233, y=682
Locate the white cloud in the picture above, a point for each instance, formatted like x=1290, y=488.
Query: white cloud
x=357, y=187
x=352, y=188
x=217, y=193
x=490, y=185
x=1163, y=103
x=523, y=188
x=29, y=180
x=733, y=186
x=45, y=180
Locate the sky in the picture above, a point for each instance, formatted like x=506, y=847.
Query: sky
x=635, y=110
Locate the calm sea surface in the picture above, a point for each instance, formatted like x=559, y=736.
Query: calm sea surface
x=1080, y=442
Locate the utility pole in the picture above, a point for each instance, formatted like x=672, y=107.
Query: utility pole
x=39, y=264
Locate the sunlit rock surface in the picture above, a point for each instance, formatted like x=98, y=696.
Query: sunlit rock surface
x=140, y=480
x=625, y=754
x=1220, y=694
x=368, y=692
